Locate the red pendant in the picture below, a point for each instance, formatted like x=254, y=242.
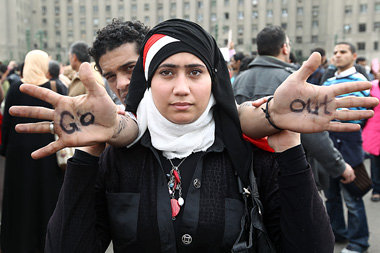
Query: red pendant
x=176, y=176
x=175, y=207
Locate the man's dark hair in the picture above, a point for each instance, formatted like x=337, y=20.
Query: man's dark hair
x=116, y=34
x=320, y=50
x=54, y=69
x=352, y=47
x=238, y=56
x=245, y=62
x=359, y=59
x=80, y=49
x=270, y=40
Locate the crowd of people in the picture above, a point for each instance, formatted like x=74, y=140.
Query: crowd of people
x=171, y=138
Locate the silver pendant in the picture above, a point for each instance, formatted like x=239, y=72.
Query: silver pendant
x=181, y=201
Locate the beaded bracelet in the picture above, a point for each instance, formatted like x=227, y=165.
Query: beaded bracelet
x=267, y=116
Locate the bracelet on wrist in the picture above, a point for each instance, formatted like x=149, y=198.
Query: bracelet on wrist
x=267, y=115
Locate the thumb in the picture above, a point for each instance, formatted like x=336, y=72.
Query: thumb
x=309, y=66
x=87, y=77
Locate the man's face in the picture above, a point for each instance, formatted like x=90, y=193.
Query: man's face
x=343, y=57
x=117, y=66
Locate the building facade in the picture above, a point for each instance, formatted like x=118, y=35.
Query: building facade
x=52, y=25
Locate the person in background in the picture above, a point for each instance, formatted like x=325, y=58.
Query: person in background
x=362, y=61
x=31, y=187
x=235, y=63
x=350, y=145
x=54, y=74
x=316, y=77
x=371, y=136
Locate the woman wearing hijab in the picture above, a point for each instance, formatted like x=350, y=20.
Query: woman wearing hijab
x=31, y=187
x=176, y=189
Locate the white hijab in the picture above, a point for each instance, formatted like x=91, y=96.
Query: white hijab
x=175, y=140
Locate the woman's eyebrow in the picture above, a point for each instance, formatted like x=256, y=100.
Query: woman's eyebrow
x=170, y=65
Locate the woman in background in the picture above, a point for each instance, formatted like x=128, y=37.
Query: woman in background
x=31, y=187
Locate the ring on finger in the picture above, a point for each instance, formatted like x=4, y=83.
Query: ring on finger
x=51, y=127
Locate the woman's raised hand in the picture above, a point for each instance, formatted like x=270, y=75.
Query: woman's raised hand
x=306, y=108
x=78, y=121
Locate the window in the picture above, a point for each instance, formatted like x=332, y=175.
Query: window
x=57, y=32
x=348, y=10
x=213, y=3
x=347, y=28
x=240, y=15
x=186, y=17
x=200, y=17
x=299, y=54
x=226, y=28
x=376, y=26
x=173, y=6
x=240, y=41
x=95, y=21
x=284, y=2
x=299, y=25
x=254, y=2
x=70, y=22
x=254, y=40
x=299, y=11
x=146, y=7
x=121, y=8
x=82, y=9
x=108, y=8
x=226, y=15
x=43, y=10
x=200, y=4
x=57, y=22
x=161, y=18
x=362, y=28
x=284, y=12
x=315, y=24
x=160, y=6
x=255, y=14
x=108, y=20
x=44, y=21
x=376, y=45
x=299, y=39
x=226, y=2
x=134, y=8
x=56, y=10
x=213, y=17
x=284, y=26
x=254, y=28
x=82, y=21
x=95, y=9
x=240, y=30
x=314, y=38
x=361, y=45
x=69, y=10
x=241, y=2
x=83, y=34
x=269, y=13
x=377, y=7
x=146, y=19
x=363, y=8
x=315, y=11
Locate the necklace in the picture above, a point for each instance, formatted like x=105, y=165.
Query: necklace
x=173, y=185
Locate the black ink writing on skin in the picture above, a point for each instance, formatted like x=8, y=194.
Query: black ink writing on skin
x=72, y=127
x=298, y=105
x=85, y=120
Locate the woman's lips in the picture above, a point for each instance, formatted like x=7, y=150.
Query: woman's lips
x=181, y=106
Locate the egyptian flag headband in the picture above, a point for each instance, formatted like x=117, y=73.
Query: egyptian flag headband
x=175, y=36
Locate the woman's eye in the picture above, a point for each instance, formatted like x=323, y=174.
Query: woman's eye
x=195, y=72
x=166, y=73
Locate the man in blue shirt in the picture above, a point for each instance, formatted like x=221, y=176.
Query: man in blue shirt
x=350, y=146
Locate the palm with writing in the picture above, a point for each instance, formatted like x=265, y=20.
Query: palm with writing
x=306, y=108
x=78, y=121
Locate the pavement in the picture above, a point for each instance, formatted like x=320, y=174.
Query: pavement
x=372, y=208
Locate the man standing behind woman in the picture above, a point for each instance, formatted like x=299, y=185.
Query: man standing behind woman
x=31, y=187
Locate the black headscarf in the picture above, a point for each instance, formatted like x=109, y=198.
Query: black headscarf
x=195, y=40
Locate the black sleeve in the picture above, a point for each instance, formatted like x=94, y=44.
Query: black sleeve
x=294, y=215
x=79, y=222
x=7, y=118
x=305, y=226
